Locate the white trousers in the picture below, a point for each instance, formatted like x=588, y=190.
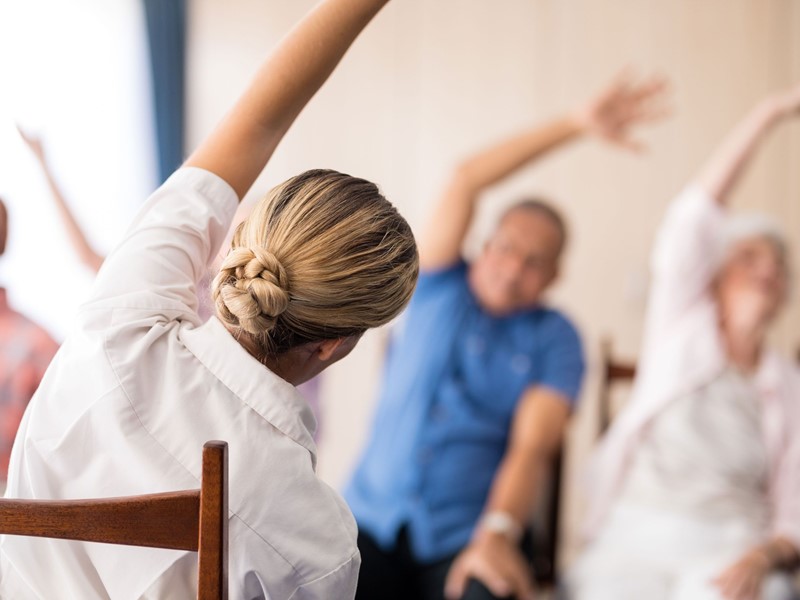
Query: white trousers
x=645, y=553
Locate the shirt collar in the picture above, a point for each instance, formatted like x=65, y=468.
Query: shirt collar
x=273, y=398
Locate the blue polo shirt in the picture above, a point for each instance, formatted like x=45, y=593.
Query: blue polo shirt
x=453, y=377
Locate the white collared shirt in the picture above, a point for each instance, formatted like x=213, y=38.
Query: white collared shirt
x=135, y=391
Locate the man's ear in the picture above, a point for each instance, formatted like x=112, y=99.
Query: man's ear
x=326, y=349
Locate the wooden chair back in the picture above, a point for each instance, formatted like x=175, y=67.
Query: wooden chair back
x=545, y=529
x=195, y=520
x=612, y=372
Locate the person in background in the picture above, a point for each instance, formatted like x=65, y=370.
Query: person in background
x=479, y=382
x=141, y=382
x=26, y=350
x=696, y=492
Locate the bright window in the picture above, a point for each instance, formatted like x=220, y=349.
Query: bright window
x=75, y=73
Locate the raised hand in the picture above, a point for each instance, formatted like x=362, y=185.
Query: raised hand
x=614, y=113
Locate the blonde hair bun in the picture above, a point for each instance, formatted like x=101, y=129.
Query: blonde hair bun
x=252, y=289
x=349, y=256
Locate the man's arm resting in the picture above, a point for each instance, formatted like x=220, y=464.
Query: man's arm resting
x=493, y=556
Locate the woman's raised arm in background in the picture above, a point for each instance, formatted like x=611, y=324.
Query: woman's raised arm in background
x=722, y=170
x=77, y=237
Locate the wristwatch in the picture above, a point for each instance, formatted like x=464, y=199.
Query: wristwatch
x=498, y=521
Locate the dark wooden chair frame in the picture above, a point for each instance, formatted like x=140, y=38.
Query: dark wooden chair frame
x=544, y=535
x=195, y=520
x=612, y=371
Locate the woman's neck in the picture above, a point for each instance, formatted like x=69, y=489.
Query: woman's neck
x=743, y=345
x=282, y=364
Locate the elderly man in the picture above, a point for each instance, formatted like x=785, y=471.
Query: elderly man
x=479, y=383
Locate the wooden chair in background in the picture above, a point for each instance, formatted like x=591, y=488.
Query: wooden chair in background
x=195, y=520
x=545, y=528
x=612, y=372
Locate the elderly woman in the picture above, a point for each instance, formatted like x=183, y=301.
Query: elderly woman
x=697, y=487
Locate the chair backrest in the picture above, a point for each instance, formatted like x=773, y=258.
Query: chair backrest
x=545, y=528
x=195, y=520
x=612, y=371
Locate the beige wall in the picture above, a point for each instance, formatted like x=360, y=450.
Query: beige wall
x=432, y=80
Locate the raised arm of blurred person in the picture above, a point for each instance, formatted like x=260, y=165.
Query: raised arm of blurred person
x=77, y=238
x=721, y=172
x=611, y=116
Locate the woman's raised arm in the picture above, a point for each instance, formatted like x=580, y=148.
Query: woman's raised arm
x=719, y=175
x=240, y=146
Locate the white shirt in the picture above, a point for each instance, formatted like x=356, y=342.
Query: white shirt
x=126, y=406
x=683, y=352
x=704, y=455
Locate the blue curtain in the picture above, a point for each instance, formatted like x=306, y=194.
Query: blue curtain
x=166, y=33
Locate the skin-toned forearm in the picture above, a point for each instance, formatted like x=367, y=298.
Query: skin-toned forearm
x=517, y=482
x=243, y=142
x=501, y=160
x=722, y=171
x=77, y=238
x=440, y=245
x=537, y=432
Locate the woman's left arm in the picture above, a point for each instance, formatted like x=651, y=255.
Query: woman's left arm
x=719, y=175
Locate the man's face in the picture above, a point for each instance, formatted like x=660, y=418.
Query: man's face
x=518, y=263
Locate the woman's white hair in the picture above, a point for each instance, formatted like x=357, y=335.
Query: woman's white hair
x=746, y=226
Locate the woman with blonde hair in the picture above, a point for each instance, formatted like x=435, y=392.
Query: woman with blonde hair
x=140, y=383
x=696, y=489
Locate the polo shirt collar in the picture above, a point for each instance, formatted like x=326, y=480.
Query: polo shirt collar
x=274, y=399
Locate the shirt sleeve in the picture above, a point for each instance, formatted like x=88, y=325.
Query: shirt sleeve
x=685, y=256
x=170, y=245
x=563, y=363
x=339, y=583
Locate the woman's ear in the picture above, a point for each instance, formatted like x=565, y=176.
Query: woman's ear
x=327, y=349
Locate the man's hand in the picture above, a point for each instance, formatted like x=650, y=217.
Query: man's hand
x=496, y=562
x=621, y=107
x=743, y=579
